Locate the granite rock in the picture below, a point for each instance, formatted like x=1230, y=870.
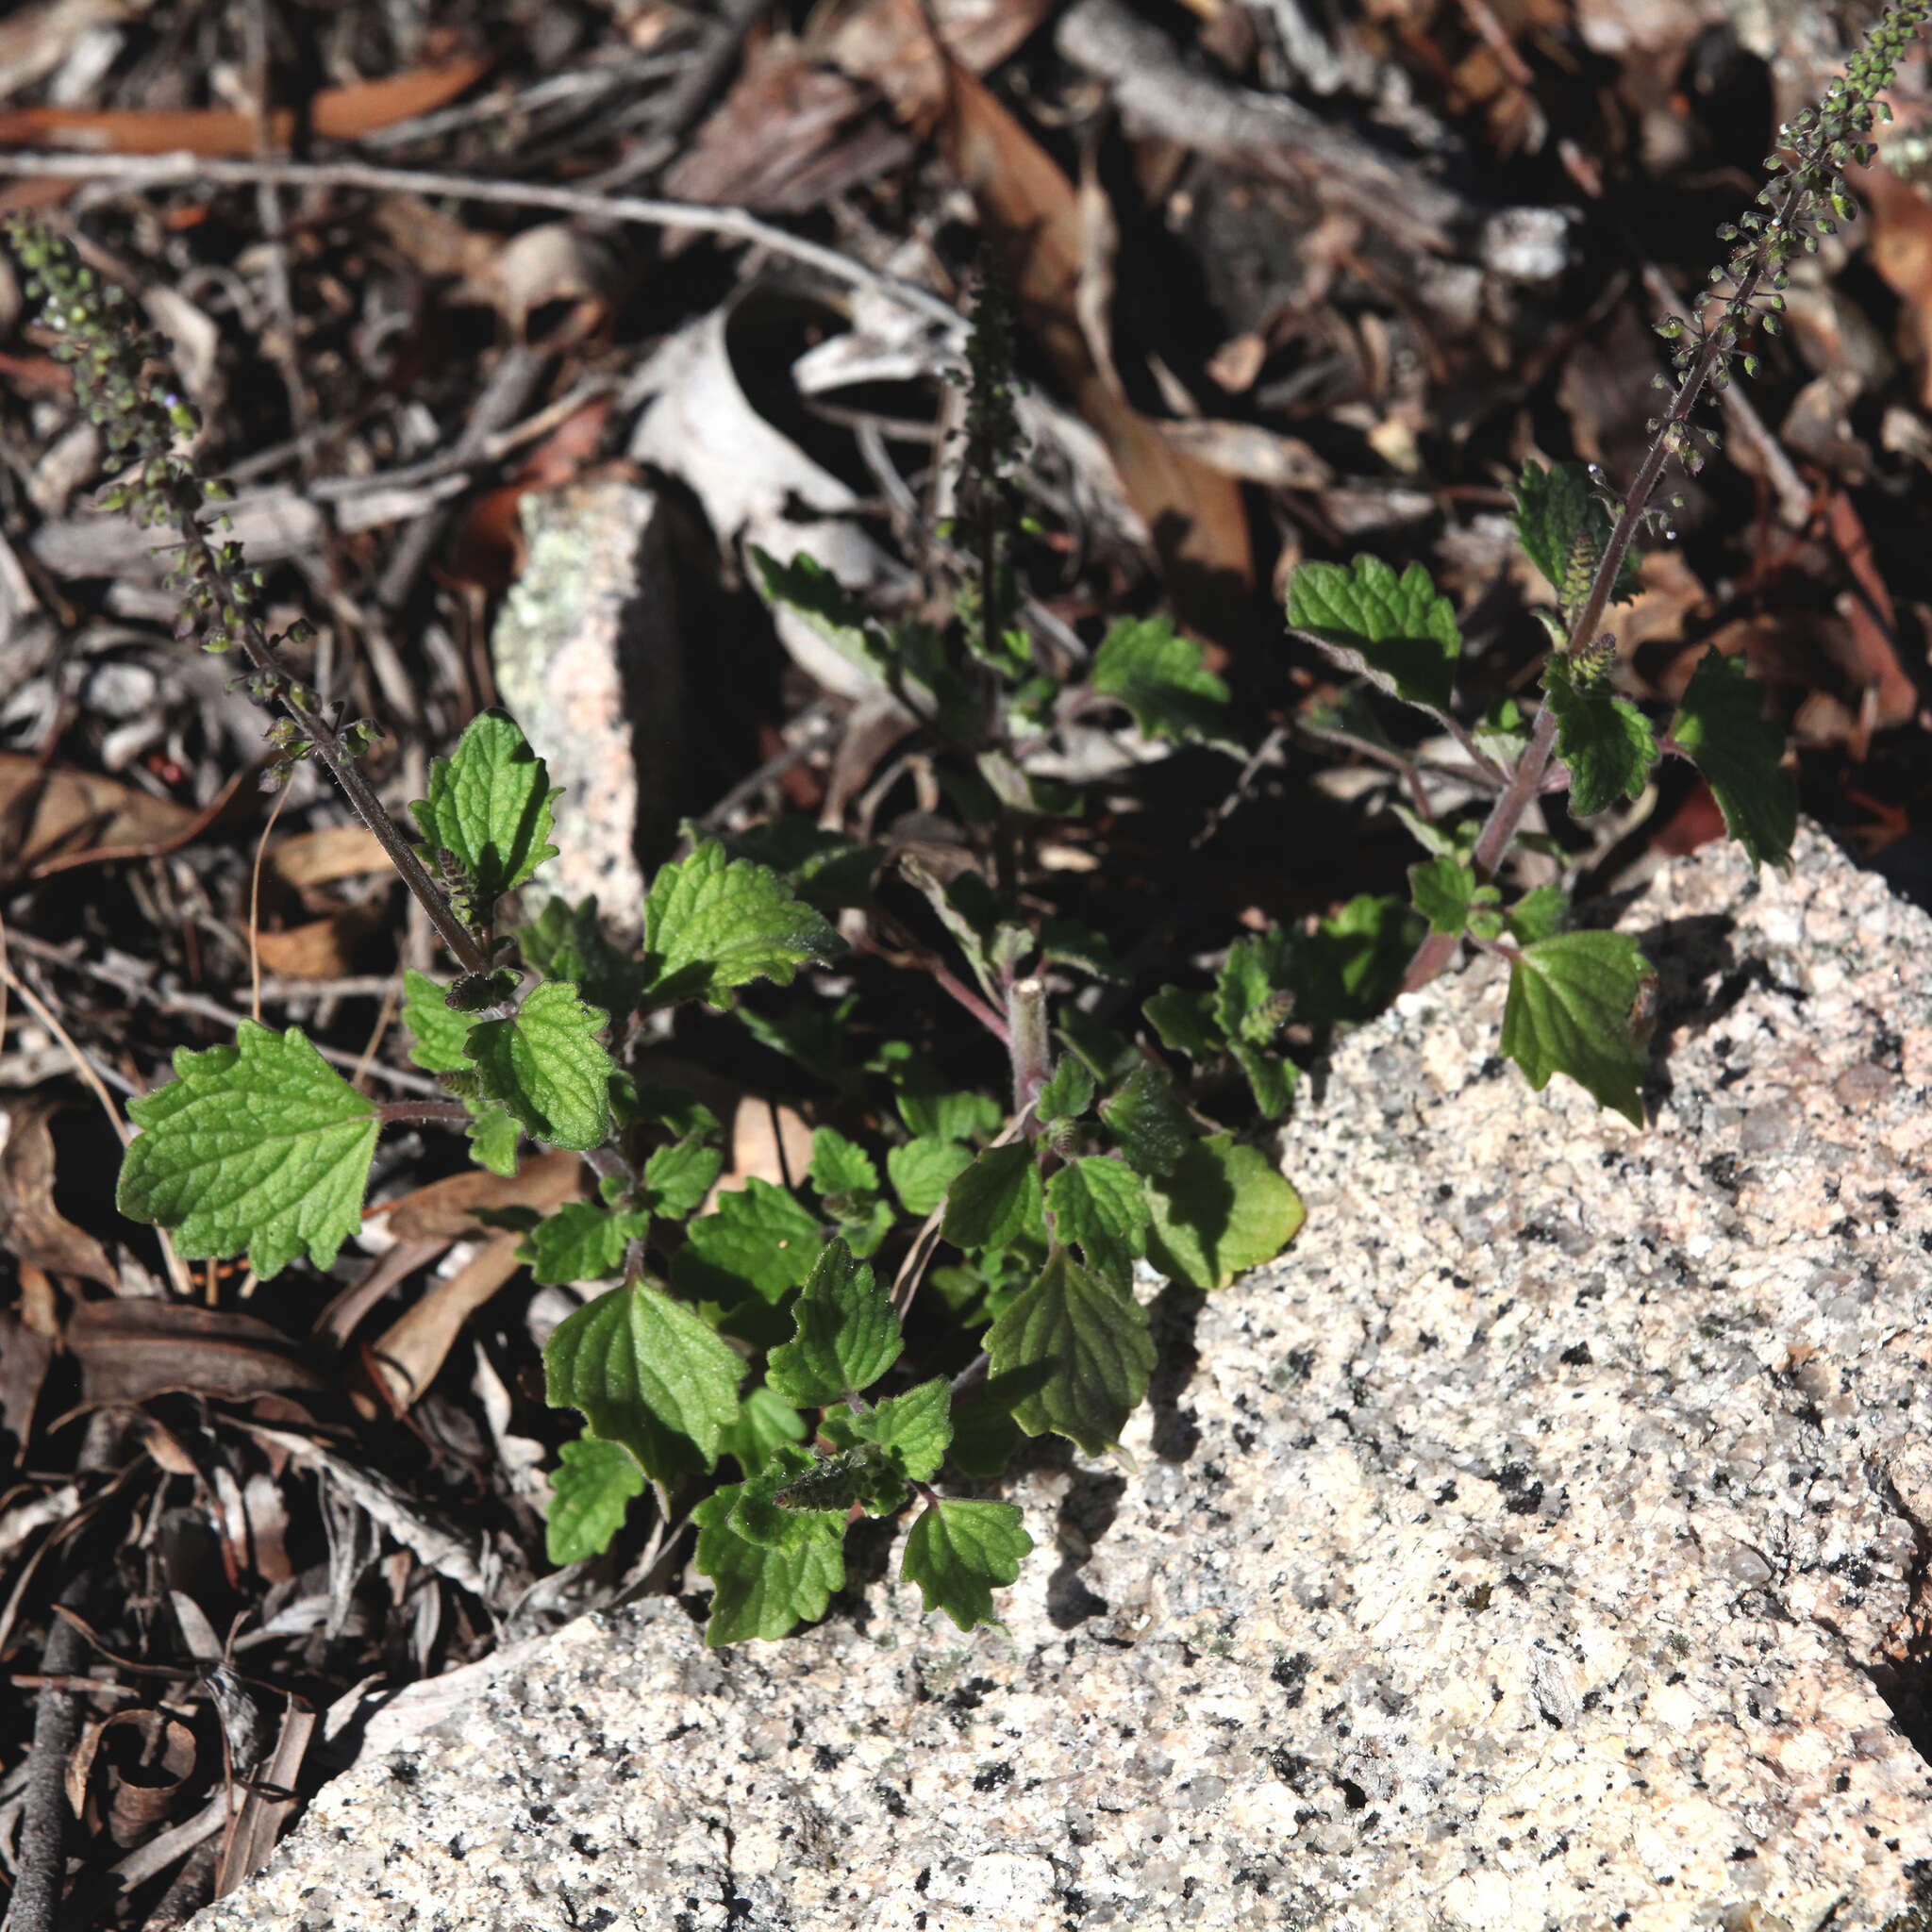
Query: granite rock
x=1539, y=1544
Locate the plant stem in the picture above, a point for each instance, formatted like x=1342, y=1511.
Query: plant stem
x=1505, y=815
x=1027, y=1045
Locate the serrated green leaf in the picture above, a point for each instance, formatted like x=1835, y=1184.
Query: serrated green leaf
x=757, y=1241
x=1606, y=741
x=927, y=1102
x=547, y=1066
x=1101, y=1205
x=1092, y=1336
x=493, y=1136
x=1068, y=1094
x=1721, y=727
x=1108, y=1054
x=984, y=1432
x=590, y=1488
x=1538, y=914
x=679, y=1176
x=581, y=1241
x=1222, y=1209
x=711, y=925
x=840, y=1165
x=996, y=1200
x=1253, y=997
x=1394, y=630
x=959, y=1553
x=642, y=1368
x=1351, y=965
x=847, y=1335
x=807, y=1480
x=865, y=1231
x=832, y=612
x=1185, y=1022
x=1564, y=528
x=1443, y=890
x=924, y=1169
x=1582, y=1004
x=1163, y=679
x=437, y=1032
x=1148, y=1120
x=488, y=806
x=759, y=1592
x=567, y=941
x=1070, y=943
x=262, y=1147
x=912, y=1430
x=764, y=1424
x=664, y=1106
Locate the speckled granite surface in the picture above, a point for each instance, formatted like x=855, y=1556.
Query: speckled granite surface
x=1536, y=1546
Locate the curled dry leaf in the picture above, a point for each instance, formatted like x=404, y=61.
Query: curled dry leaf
x=320, y=858
x=53, y=812
x=446, y=1210
x=319, y=948
x=129, y=1350
x=549, y=264
x=337, y=113
x=32, y=1230
x=128, y=1770
x=413, y=1348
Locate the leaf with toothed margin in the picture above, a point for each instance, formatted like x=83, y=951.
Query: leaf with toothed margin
x=1396, y=631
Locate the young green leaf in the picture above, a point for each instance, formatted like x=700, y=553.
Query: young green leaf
x=677, y=1177
x=924, y=1169
x=1721, y=727
x=581, y=1241
x=567, y=941
x=764, y=1424
x=1070, y=943
x=831, y=611
x=1101, y=1205
x=1148, y=1120
x=1538, y=914
x=914, y=1430
x=1606, y=741
x=1352, y=962
x=1185, y=1021
x=840, y=1165
x=1443, y=890
x=1163, y=679
x=711, y=925
x=262, y=1147
x=547, y=1066
x=437, y=1031
x=640, y=1366
x=1582, y=1004
x=984, y=1432
x=1253, y=997
x=1068, y=1094
x=959, y=1553
x=927, y=1102
x=670, y=1107
x=797, y=1498
x=591, y=1488
x=1094, y=1339
x=757, y=1241
x=1394, y=630
x=488, y=806
x=1222, y=1209
x=1564, y=527
x=847, y=1335
x=493, y=1136
x=761, y=1593
x=996, y=1200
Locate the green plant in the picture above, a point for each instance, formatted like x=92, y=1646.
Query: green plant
x=754, y=1328
x=1581, y=1003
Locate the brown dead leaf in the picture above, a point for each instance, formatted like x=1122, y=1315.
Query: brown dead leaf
x=1901, y=251
x=126, y=1770
x=890, y=43
x=446, y=1209
x=337, y=113
x=32, y=1230
x=319, y=948
x=789, y=136
x=50, y=814
x=413, y=1348
x=320, y=858
x=131, y=1349
x=1032, y=215
x=769, y=1142
x=269, y=1800
x=24, y=1357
